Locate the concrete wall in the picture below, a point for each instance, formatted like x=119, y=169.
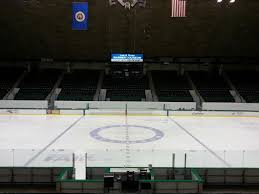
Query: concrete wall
x=230, y=106
x=23, y=111
x=213, y=113
x=37, y=104
x=123, y=105
x=107, y=107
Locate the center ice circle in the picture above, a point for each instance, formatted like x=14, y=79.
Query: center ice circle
x=100, y=135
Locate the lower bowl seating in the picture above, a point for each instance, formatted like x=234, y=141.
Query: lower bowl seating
x=37, y=85
x=170, y=87
x=212, y=87
x=125, y=89
x=79, y=85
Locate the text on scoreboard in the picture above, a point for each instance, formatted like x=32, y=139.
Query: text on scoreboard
x=127, y=58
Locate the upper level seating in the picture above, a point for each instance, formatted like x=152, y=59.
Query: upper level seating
x=247, y=84
x=79, y=85
x=37, y=85
x=8, y=76
x=170, y=87
x=125, y=89
x=211, y=87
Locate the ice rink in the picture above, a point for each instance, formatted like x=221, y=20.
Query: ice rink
x=130, y=141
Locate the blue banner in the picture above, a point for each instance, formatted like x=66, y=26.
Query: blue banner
x=126, y=57
x=80, y=15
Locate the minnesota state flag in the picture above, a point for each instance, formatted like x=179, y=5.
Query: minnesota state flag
x=79, y=15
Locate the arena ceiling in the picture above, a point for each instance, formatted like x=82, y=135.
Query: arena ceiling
x=34, y=29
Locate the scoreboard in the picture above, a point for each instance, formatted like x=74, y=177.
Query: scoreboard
x=127, y=58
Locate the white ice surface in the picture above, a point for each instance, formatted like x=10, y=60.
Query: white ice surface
x=207, y=141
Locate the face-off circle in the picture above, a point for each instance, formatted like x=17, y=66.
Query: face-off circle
x=96, y=134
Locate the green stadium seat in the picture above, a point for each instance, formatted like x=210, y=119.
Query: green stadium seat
x=247, y=84
x=125, y=89
x=80, y=85
x=211, y=87
x=37, y=85
x=170, y=87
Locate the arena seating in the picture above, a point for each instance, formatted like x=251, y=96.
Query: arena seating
x=8, y=76
x=211, y=86
x=37, y=85
x=79, y=85
x=170, y=87
x=125, y=89
x=247, y=84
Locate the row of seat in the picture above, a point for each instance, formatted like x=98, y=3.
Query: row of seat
x=79, y=94
x=3, y=92
x=80, y=85
x=211, y=87
x=8, y=76
x=126, y=95
x=247, y=84
x=37, y=85
x=125, y=88
x=171, y=87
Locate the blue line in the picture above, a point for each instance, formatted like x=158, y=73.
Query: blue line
x=203, y=144
x=53, y=141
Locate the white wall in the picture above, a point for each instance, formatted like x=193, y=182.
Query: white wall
x=131, y=106
x=180, y=105
x=230, y=106
x=23, y=111
x=106, y=105
x=71, y=112
x=144, y=105
x=39, y=104
x=214, y=113
x=71, y=104
x=122, y=105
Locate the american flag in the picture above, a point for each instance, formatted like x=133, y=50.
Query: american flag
x=178, y=8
